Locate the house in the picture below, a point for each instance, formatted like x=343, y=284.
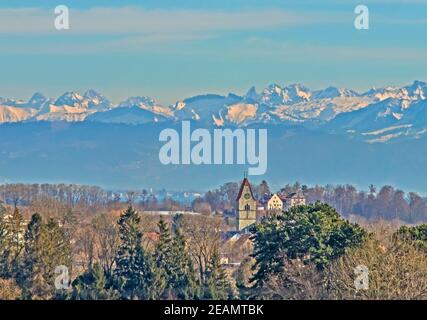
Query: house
x=262, y=202
x=293, y=199
x=275, y=203
x=269, y=204
x=236, y=248
x=249, y=209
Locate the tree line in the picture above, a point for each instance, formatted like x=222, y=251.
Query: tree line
x=386, y=202
x=310, y=252
x=375, y=203
x=81, y=196
x=116, y=265
x=307, y=252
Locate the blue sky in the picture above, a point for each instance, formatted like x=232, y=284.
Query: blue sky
x=172, y=49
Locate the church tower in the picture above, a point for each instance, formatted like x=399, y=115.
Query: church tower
x=246, y=206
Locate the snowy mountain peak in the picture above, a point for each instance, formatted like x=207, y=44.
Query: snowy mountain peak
x=138, y=101
x=333, y=92
x=414, y=92
x=37, y=97
x=96, y=100
x=275, y=104
x=273, y=94
x=71, y=98
x=274, y=87
x=7, y=101
x=276, y=95
x=418, y=83
x=251, y=95
x=148, y=104
x=298, y=92
x=90, y=94
x=418, y=90
x=37, y=100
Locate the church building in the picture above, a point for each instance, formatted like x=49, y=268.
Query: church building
x=246, y=206
x=249, y=208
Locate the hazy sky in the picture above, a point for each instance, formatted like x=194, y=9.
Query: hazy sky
x=172, y=49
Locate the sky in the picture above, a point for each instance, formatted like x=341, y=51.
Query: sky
x=170, y=50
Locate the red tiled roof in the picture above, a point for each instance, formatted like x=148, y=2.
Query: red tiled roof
x=153, y=236
x=282, y=196
x=293, y=195
x=296, y=195
x=245, y=182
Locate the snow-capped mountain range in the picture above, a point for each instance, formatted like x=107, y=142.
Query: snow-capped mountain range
x=378, y=115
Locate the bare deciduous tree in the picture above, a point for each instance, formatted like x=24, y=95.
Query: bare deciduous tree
x=203, y=234
x=396, y=270
x=9, y=290
x=107, y=240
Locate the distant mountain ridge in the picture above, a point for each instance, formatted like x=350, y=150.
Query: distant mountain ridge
x=378, y=115
x=118, y=155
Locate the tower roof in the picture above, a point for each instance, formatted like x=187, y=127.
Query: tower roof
x=245, y=182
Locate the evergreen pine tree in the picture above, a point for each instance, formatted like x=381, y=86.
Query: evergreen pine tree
x=31, y=261
x=217, y=285
x=136, y=274
x=314, y=233
x=3, y=249
x=45, y=248
x=175, y=264
x=126, y=272
x=54, y=250
x=92, y=285
x=163, y=256
x=2, y=209
x=11, y=242
x=69, y=223
x=15, y=229
x=164, y=245
x=183, y=276
x=177, y=221
x=153, y=280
